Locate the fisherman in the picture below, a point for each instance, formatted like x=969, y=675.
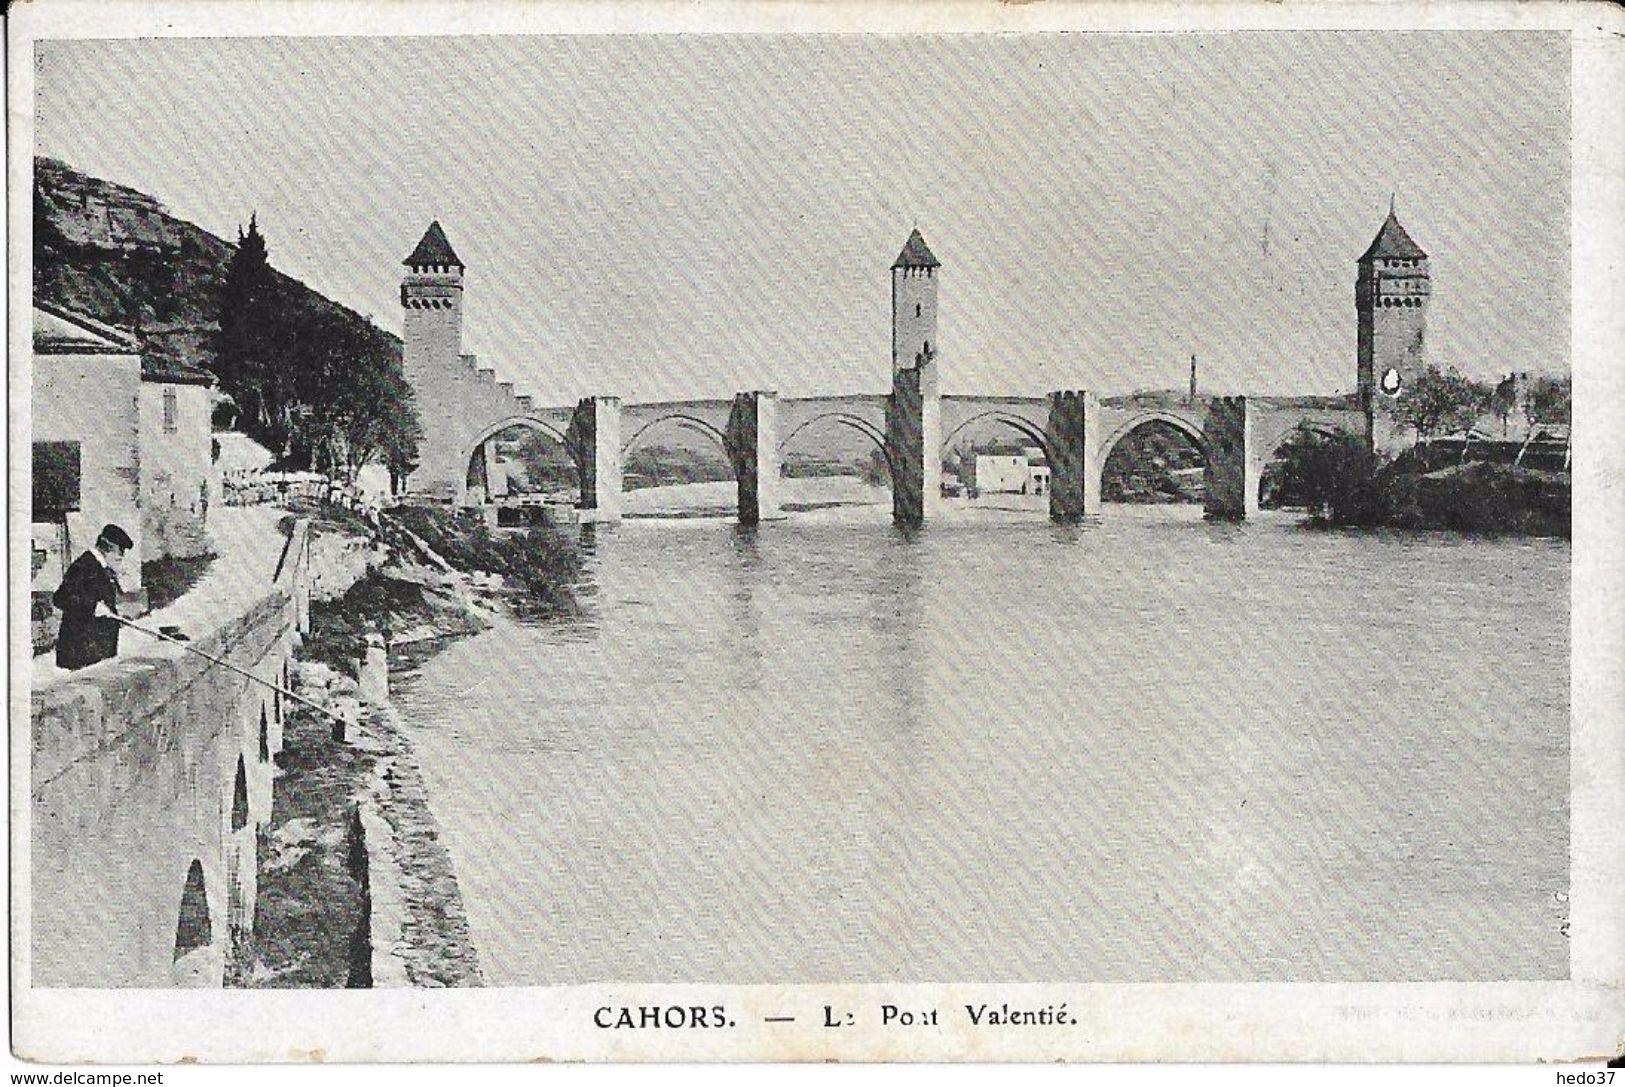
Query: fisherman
x=88, y=600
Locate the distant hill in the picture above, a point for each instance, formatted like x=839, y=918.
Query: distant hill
x=118, y=256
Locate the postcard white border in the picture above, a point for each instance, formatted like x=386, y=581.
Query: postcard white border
x=1578, y=1019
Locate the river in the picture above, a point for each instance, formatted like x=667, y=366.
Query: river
x=1152, y=749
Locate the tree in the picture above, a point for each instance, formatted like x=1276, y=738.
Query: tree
x=351, y=403
x=1439, y=402
x=1335, y=476
x=313, y=381
x=249, y=348
x=1550, y=400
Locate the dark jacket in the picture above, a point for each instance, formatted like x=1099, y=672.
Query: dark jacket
x=84, y=638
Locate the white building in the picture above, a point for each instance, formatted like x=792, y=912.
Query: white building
x=86, y=388
x=179, y=481
x=1026, y=472
x=117, y=439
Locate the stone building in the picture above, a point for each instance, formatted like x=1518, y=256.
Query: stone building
x=914, y=310
x=915, y=432
x=86, y=393
x=117, y=439
x=1026, y=472
x=1391, y=292
x=178, y=480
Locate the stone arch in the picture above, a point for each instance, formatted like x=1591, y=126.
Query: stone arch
x=1025, y=427
x=239, y=797
x=486, y=433
x=841, y=418
x=687, y=422
x=491, y=430
x=1180, y=423
x=193, y=928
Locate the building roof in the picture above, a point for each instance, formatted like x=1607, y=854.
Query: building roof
x=173, y=372
x=1392, y=243
x=916, y=254
x=433, y=249
x=61, y=331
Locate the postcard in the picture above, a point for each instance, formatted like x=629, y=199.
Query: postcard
x=874, y=532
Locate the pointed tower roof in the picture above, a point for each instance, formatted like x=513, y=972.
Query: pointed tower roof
x=1392, y=243
x=433, y=249
x=916, y=254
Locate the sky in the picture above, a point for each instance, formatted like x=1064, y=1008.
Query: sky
x=676, y=216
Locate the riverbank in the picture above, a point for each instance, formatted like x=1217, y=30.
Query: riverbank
x=1481, y=498
x=355, y=887
x=1343, y=484
x=1475, y=499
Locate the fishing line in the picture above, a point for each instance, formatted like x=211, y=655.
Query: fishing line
x=161, y=636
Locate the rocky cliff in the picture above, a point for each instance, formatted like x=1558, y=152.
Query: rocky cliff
x=117, y=255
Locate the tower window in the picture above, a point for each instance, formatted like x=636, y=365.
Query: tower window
x=169, y=411
x=916, y=309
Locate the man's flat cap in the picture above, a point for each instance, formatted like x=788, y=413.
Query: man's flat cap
x=117, y=537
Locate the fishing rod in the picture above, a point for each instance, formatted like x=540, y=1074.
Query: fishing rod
x=245, y=673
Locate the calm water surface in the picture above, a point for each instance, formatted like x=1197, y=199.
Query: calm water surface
x=1152, y=749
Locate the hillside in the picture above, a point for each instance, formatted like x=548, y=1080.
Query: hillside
x=118, y=256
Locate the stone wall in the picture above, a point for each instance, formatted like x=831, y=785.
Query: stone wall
x=143, y=769
x=176, y=470
x=149, y=779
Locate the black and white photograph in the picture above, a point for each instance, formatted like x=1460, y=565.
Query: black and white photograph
x=838, y=536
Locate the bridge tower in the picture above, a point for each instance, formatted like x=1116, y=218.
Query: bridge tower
x=1391, y=291
x=432, y=296
x=914, y=412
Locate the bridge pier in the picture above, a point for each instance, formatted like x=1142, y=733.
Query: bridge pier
x=1073, y=436
x=752, y=440
x=914, y=445
x=594, y=442
x=1234, y=468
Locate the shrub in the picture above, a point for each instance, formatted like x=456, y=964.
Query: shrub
x=541, y=560
x=1496, y=498
x=1334, y=476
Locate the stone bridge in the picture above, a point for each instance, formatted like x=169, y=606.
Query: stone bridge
x=1076, y=431
x=463, y=407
